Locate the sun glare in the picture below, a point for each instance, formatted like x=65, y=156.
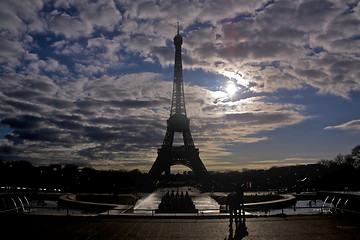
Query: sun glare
x=237, y=76
x=230, y=88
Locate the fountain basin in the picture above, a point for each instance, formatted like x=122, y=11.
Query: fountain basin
x=203, y=203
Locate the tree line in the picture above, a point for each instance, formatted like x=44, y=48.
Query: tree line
x=341, y=173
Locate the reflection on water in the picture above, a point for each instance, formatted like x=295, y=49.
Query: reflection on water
x=348, y=192
x=203, y=203
x=301, y=206
x=54, y=208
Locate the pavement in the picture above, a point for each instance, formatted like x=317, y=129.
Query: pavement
x=101, y=227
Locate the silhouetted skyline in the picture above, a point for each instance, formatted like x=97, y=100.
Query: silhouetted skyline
x=267, y=83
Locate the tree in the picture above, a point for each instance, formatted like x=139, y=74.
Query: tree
x=339, y=159
x=355, y=154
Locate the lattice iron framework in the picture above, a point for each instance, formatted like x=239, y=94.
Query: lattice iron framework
x=186, y=155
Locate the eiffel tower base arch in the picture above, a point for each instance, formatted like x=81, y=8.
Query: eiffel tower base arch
x=177, y=156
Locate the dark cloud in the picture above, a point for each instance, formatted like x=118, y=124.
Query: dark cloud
x=42, y=134
x=259, y=118
x=68, y=117
x=310, y=14
x=164, y=54
x=23, y=122
x=55, y=102
x=97, y=134
x=74, y=125
x=66, y=124
x=7, y=150
x=23, y=106
x=23, y=94
x=138, y=104
x=93, y=153
x=104, y=121
x=311, y=73
x=43, y=85
x=91, y=103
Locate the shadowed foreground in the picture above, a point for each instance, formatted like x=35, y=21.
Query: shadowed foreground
x=292, y=227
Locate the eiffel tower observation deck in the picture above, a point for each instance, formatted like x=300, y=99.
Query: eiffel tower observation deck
x=169, y=155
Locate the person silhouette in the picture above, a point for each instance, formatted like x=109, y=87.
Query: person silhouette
x=235, y=202
x=236, y=206
x=241, y=204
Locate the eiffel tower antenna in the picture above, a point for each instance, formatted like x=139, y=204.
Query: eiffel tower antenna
x=186, y=155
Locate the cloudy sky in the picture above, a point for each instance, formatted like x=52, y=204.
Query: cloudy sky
x=267, y=83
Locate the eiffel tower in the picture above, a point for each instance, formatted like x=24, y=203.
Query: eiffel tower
x=186, y=155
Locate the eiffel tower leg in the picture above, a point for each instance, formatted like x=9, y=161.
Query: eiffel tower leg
x=196, y=164
x=163, y=161
x=161, y=164
x=167, y=171
x=188, y=142
x=168, y=139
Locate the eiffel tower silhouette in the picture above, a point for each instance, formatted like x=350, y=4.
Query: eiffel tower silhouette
x=186, y=155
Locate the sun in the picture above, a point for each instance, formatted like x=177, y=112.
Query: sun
x=230, y=88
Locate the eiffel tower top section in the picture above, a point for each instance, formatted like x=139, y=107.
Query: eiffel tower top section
x=178, y=99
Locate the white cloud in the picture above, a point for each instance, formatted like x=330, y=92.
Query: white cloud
x=87, y=17
x=11, y=53
x=290, y=33
x=102, y=14
x=108, y=49
x=17, y=17
x=189, y=11
x=313, y=38
x=48, y=65
x=352, y=125
x=69, y=26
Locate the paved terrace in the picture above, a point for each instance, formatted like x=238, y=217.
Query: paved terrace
x=62, y=227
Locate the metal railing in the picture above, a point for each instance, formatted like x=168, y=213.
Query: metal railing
x=328, y=206
x=13, y=203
